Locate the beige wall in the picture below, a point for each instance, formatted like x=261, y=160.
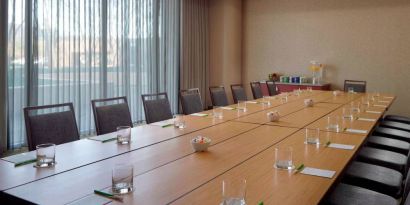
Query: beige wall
x=357, y=39
x=225, y=48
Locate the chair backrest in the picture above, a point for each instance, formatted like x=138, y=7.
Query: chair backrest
x=218, y=96
x=407, y=189
x=238, y=93
x=256, y=90
x=272, y=88
x=191, y=101
x=56, y=127
x=156, y=107
x=110, y=114
x=357, y=85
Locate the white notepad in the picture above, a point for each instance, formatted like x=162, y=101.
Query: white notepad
x=228, y=108
x=318, y=172
x=375, y=112
x=388, y=97
x=251, y=102
x=199, y=114
x=163, y=123
x=341, y=146
x=383, y=101
x=380, y=106
x=367, y=119
x=356, y=131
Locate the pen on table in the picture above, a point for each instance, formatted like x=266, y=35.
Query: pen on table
x=108, y=195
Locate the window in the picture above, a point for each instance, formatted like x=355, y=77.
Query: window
x=79, y=50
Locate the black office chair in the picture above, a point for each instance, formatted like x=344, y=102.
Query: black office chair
x=57, y=125
x=218, y=96
x=110, y=113
x=256, y=90
x=191, y=101
x=238, y=93
x=156, y=107
x=272, y=89
x=357, y=85
x=351, y=194
x=397, y=118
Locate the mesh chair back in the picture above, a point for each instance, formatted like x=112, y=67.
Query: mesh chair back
x=238, y=93
x=110, y=114
x=357, y=85
x=256, y=90
x=50, y=124
x=156, y=107
x=218, y=96
x=191, y=101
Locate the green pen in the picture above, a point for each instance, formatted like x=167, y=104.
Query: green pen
x=167, y=125
x=299, y=168
x=109, y=140
x=25, y=162
x=108, y=195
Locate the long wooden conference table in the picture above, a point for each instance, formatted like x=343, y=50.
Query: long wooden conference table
x=168, y=171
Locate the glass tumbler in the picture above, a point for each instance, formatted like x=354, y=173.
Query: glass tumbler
x=46, y=155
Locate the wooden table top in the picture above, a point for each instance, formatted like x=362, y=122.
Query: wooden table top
x=272, y=186
x=167, y=170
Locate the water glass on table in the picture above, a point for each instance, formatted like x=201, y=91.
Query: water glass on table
x=179, y=121
x=333, y=123
x=123, y=134
x=218, y=112
x=312, y=136
x=122, y=179
x=234, y=192
x=348, y=113
x=242, y=105
x=46, y=155
x=350, y=90
x=284, y=158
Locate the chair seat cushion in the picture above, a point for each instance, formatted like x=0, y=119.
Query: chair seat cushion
x=397, y=118
x=392, y=133
x=395, y=125
x=383, y=158
x=353, y=195
x=373, y=177
x=389, y=144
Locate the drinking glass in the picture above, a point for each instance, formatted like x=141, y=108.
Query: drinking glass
x=283, y=158
x=233, y=192
x=347, y=113
x=355, y=106
x=123, y=134
x=242, y=105
x=365, y=101
x=179, y=121
x=284, y=99
x=309, y=89
x=312, y=136
x=333, y=123
x=266, y=100
x=122, y=178
x=350, y=90
x=46, y=155
x=218, y=112
x=296, y=92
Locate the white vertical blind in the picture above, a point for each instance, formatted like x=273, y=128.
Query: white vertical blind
x=88, y=49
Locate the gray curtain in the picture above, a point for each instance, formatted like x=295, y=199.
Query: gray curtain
x=3, y=79
x=79, y=50
x=194, y=71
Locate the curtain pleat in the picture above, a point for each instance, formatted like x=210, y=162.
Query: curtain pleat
x=194, y=71
x=81, y=50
